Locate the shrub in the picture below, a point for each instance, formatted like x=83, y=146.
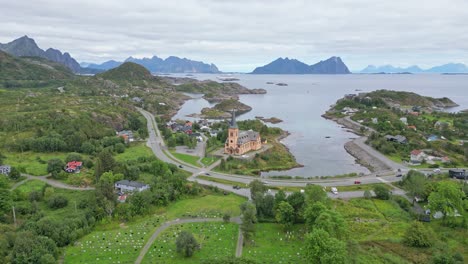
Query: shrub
x=57, y=201
x=186, y=243
x=226, y=217
x=367, y=194
x=381, y=192
x=417, y=235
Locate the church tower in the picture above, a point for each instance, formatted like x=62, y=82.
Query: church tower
x=233, y=134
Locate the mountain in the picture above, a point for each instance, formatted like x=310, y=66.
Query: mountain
x=27, y=47
x=104, y=66
x=31, y=68
x=333, y=65
x=450, y=68
x=128, y=71
x=446, y=68
x=171, y=64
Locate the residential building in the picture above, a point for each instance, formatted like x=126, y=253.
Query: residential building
x=398, y=138
x=241, y=142
x=5, y=169
x=127, y=135
x=130, y=186
x=404, y=120
x=417, y=156
x=73, y=166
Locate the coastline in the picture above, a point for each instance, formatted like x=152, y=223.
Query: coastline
x=354, y=147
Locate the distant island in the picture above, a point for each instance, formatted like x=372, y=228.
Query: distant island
x=333, y=65
x=450, y=68
x=171, y=64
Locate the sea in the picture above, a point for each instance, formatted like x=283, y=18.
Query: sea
x=318, y=143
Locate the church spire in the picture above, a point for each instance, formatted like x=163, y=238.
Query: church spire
x=233, y=123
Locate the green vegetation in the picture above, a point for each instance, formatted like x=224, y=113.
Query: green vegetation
x=232, y=104
x=207, y=161
x=217, y=240
x=127, y=71
x=223, y=181
x=193, y=160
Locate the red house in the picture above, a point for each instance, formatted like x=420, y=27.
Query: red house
x=73, y=166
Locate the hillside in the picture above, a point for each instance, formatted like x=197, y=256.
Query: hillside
x=31, y=68
x=127, y=72
x=333, y=65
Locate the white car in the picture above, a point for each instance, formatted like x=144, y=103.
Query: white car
x=334, y=190
x=436, y=170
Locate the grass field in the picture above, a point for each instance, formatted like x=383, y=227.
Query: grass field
x=206, y=206
x=192, y=160
x=29, y=186
x=30, y=162
x=207, y=161
x=216, y=239
x=273, y=245
x=119, y=245
x=111, y=243
x=135, y=150
x=223, y=181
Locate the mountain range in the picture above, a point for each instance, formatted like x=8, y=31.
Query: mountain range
x=27, y=47
x=171, y=64
x=446, y=68
x=333, y=65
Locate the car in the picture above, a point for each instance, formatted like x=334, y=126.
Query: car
x=334, y=190
x=236, y=187
x=436, y=170
x=207, y=174
x=180, y=166
x=399, y=175
x=357, y=182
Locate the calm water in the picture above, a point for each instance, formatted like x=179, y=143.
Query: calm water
x=301, y=104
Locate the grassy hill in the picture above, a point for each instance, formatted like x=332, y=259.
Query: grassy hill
x=31, y=68
x=128, y=71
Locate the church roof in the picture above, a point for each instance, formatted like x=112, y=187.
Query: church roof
x=247, y=136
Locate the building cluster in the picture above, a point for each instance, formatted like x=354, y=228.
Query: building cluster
x=127, y=135
x=418, y=156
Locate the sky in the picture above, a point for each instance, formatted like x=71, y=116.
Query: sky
x=240, y=35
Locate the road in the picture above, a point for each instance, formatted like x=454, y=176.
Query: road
x=51, y=182
x=168, y=224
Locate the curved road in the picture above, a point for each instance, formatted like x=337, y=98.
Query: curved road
x=51, y=182
x=166, y=225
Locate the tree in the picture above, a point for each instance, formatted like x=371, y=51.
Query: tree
x=73, y=157
x=57, y=201
x=381, y=192
x=226, y=217
x=333, y=223
x=257, y=186
x=249, y=218
x=297, y=200
x=54, y=166
x=415, y=183
x=105, y=163
x=29, y=248
x=312, y=212
x=14, y=174
x=324, y=249
x=279, y=197
x=2, y=158
x=186, y=243
x=285, y=214
x=447, y=199
x=417, y=235
x=315, y=193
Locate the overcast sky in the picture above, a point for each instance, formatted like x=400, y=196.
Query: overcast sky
x=242, y=34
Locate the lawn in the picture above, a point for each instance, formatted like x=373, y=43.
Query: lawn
x=207, y=161
x=223, y=181
x=273, y=245
x=29, y=186
x=216, y=239
x=186, y=158
x=30, y=162
x=207, y=206
x=135, y=150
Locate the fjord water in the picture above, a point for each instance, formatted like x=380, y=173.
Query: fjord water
x=301, y=104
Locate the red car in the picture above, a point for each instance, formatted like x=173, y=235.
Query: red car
x=357, y=182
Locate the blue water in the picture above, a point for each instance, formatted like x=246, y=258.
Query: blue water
x=307, y=97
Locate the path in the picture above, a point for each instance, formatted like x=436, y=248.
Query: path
x=166, y=225
x=16, y=185
x=53, y=183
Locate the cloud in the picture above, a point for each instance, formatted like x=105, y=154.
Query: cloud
x=238, y=34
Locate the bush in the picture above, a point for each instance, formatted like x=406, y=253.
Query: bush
x=417, y=235
x=57, y=201
x=226, y=217
x=35, y=196
x=186, y=243
x=381, y=192
x=403, y=203
x=367, y=194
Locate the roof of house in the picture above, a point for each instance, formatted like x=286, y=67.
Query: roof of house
x=247, y=136
x=416, y=152
x=131, y=183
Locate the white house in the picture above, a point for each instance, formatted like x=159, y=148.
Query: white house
x=5, y=169
x=130, y=186
x=404, y=120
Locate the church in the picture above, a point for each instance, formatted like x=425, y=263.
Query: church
x=240, y=142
